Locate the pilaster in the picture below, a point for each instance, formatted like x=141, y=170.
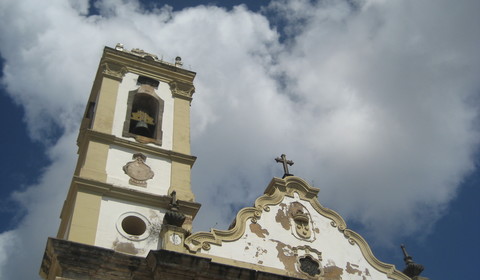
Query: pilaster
x=105, y=111
x=85, y=217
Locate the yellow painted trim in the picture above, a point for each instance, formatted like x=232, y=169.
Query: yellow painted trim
x=79, y=184
x=274, y=194
x=90, y=135
x=127, y=194
x=203, y=239
x=94, y=161
x=86, y=210
x=181, y=126
x=105, y=107
x=180, y=181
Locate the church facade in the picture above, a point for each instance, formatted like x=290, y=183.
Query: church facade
x=129, y=210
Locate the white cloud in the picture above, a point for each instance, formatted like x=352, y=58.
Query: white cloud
x=390, y=98
x=370, y=103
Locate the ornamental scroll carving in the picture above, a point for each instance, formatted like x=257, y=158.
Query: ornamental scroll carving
x=114, y=70
x=138, y=171
x=182, y=90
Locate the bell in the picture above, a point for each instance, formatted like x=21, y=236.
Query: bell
x=141, y=128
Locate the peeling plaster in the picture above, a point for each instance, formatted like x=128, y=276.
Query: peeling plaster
x=332, y=273
x=125, y=247
x=286, y=255
x=258, y=230
x=295, y=207
x=279, y=222
x=260, y=251
x=282, y=216
x=352, y=270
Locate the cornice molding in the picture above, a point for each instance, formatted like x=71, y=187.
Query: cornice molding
x=89, y=135
x=274, y=194
x=106, y=189
x=147, y=67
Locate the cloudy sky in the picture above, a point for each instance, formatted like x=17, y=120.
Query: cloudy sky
x=376, y=101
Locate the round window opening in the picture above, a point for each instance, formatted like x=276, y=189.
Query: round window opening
x=133, y=225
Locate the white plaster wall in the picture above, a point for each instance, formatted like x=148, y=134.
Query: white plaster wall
x=108, y=236
x=119, y=156
x=128, y=84
x=276, y=240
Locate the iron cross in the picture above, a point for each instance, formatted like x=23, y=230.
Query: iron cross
x=285, y=163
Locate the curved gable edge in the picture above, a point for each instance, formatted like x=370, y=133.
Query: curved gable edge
x=274, y=194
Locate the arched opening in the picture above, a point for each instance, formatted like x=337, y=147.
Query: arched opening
x=143, y=120
x=144, y=115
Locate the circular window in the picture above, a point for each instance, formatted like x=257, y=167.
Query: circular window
x=133, y=226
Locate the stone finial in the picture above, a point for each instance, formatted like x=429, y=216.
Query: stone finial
x=178, y=61
x=173, y=216
x=412, y=269
x=119, y=47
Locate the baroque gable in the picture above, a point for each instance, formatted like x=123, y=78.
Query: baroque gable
x=289, y=232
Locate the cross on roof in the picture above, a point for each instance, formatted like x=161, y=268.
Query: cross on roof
x=285, y=163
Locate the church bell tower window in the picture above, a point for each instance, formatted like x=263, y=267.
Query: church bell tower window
x=144, y=114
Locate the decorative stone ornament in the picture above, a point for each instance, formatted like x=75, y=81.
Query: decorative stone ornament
x=301, y=221
x=309, y=266
x=114, y=71
x=309, y=261
x=412, y=269
x=302, y=224
x=182, y=90
x=173, y=216
x=138, y=171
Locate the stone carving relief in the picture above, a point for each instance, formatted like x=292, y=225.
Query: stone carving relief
x=302, y=224
x=138, y=171
x=301, y=221
x=182, y=90
x=308, y=261
x=309, y=266
x=114, y=70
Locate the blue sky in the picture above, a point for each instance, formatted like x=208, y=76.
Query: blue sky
x=375, y=101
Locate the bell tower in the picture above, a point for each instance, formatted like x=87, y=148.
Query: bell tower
x=134, y=155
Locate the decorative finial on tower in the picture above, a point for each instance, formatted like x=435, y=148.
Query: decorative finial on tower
x=285, y=163
x=412, y=269
x=119, y=47
x=174, y=203
x=178, y=61
x=173, y=216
